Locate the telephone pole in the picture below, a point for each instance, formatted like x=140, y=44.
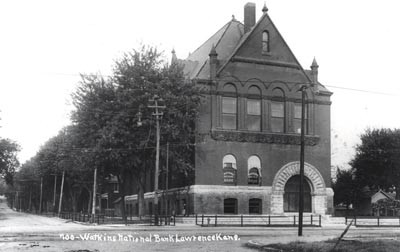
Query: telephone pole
x=301, y=196
x=158, y=115
x=41, y=195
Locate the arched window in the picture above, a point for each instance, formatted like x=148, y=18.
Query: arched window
x=254, y=170
x=230, y=206
x=229, y=107
x=265, y=42
x=297, y=117
x=278, y=111
x=229, y=169
x=291, y=196
x=253, y=119
x=255, y=206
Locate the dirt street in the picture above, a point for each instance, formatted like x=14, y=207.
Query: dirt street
x=26, y=232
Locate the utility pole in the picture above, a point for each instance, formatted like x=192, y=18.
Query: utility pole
x=166, y=182
x=301, y=196
x=61, y=193
x=158, y=115
x=94, y=195
x=41, y=195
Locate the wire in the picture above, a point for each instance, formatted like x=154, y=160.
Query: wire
x=257, y=81
x=361, y=90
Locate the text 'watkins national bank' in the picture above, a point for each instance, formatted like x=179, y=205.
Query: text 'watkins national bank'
x=149, y=238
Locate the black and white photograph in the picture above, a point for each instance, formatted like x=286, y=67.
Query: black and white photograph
x=225, y=125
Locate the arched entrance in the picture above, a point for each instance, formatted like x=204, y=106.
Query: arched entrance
x=316, y=189
x=292, y=194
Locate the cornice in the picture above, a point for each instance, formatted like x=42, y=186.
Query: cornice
x=262, y=137
x=265, y=97
x=265, y=62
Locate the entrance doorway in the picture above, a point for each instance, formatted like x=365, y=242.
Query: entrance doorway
x=291, y=196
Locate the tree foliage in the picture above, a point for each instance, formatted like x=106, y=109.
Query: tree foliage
x=345, y=188
x=107, y=111
x=377, y=160
x=104, y=133
x=8, y=159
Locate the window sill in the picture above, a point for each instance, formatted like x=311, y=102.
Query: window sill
x=262, y=137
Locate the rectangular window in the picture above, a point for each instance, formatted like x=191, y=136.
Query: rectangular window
x=277, y=117
x=255, y=206
x=230, y=206
x=297, y=119
x=253, y=120
x=229, y=113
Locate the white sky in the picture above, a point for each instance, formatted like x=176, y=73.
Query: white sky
x=44, y=45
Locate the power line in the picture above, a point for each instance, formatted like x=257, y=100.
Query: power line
x=257, y=81
x=362, y=90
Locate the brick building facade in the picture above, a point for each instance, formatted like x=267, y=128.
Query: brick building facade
x=246, y=159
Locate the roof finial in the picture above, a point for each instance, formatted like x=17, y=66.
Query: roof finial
x=314, y=71
x=233, y=18
x=264, y=9
x=314, y=64
x=174, y=59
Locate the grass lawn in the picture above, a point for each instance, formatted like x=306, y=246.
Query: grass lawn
x=344, y=246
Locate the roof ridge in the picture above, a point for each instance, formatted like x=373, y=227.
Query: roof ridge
x=226, y=26
x=215, y=46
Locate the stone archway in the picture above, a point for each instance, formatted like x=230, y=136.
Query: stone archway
x=318, y=187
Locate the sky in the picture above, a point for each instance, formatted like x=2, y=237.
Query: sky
x=45, y=45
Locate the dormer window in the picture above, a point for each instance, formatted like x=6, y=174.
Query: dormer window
x=265, y=42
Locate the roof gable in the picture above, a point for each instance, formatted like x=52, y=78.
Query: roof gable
x=250, y=50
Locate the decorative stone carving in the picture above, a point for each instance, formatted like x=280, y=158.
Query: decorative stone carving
x=262, y=137
x=293, y=168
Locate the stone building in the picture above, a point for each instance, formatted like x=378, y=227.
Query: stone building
x=247, y=158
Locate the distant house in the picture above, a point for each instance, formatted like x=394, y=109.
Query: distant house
x=377, y=203
x=110, y=196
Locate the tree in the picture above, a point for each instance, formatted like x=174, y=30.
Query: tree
x=8, y=159
x=377, y=160
x=345, y=188
x=106, y=118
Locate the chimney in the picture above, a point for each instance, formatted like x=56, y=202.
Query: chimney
x=249, y=16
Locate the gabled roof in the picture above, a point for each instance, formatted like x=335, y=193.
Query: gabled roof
x=238, y=52
x=225, y=41
x=379, y=195
x=285, y=50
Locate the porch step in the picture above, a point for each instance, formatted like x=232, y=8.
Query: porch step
x=333, y=221
x=185, y=220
